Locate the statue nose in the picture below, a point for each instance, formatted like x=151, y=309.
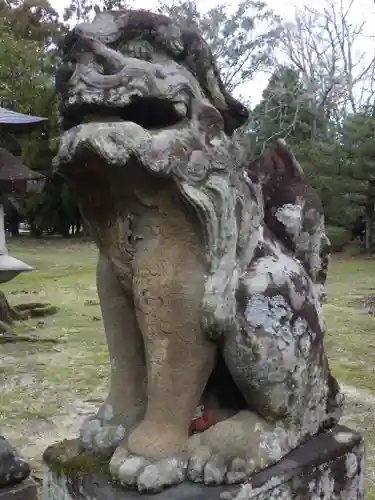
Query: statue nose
x=81, y=32
x=73, y=41
x=78, y=32
x=63, y=75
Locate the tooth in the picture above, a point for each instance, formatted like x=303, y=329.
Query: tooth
x=181, y=109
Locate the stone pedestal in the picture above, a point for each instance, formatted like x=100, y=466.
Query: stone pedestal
x=15, y=483
x=328, y=467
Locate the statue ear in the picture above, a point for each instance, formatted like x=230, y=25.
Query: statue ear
x=199, y=60
x=234, y=113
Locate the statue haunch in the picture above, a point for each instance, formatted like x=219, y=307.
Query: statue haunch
x=202, y=304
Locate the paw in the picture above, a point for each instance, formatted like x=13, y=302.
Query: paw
x=214, y=469
x=101, y=434
x=232, y=450
x=139, y=473
x=100, y=437
x=203, y=466
x=229, y=452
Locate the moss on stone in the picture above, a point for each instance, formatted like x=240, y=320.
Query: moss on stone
x=68, y=458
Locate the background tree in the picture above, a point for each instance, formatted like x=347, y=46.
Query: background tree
x=29, y=31
x=319, y=96
x=329, y=51
x=358, y=148
x=284, y=111
x=242, y=41
x=33, y=20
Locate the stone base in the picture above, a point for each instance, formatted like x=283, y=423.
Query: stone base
x=27, y=490
x=14, y=471
x=328, y=467
x=13, y=467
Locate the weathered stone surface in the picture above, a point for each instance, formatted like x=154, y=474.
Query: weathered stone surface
x=27, y=490
x=329, y=467
x=293, y=210
x=13, y=467
x=204, y=303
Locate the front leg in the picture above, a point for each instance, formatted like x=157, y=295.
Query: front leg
x=168, y=291
x=168, y=286
x=126, y=401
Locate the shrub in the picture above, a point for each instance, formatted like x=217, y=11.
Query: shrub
x=339, y=237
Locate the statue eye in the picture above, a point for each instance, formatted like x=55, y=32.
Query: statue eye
x=97, y=67
x=139, y=49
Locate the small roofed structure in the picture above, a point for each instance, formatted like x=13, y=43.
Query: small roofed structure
x=12, y=121
x=14, y=124
x=15, y=177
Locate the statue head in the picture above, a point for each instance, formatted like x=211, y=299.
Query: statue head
x=146, y=68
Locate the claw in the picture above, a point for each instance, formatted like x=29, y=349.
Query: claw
x=197, y=463
x=215, y=470
x=237, y=471
x=130, y=470
x=166, y=472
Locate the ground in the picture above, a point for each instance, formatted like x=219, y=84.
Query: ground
x=47, y=389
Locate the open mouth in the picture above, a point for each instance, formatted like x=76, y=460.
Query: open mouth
x=150, y=113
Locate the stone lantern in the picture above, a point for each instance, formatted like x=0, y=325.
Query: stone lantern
x=15, y=177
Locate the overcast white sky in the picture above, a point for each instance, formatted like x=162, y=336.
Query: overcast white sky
x=363, y=10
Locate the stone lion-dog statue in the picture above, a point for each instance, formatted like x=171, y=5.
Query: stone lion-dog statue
x=203, y=305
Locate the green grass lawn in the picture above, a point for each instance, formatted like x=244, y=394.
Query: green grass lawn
x=45, y=386
x=350, y=343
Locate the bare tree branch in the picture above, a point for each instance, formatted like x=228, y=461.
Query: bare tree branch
x=325, y=47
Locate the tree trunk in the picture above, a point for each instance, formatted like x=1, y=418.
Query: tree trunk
x=86, y=230
x=370, y=214
x=35, y=232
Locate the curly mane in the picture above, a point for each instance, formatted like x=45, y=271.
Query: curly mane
x=229, y=208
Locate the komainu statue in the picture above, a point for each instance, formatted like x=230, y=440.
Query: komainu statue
x=208, y=308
